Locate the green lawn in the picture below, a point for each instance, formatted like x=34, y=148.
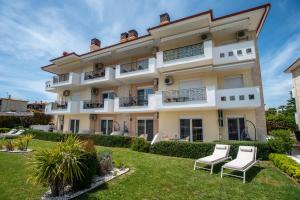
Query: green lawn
x=156, y=177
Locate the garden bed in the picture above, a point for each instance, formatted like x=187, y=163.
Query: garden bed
x=16, y=151
x=97, y=181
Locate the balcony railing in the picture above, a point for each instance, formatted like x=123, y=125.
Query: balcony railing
x=185, y=95
x=89, y=104
x=133, y=101
x=134, y=66
x=59, y=105
x=94, y=74
x=60, y=78
x=183, y=52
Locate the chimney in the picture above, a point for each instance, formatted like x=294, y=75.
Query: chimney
x=164, y=19
x=95, y=44
x=65, y=53
x=124, y=37
x=132, y=34
x=9, y=96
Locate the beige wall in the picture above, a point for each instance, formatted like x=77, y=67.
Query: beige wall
x=133, y=124
x=169, y=123
x=296, y=84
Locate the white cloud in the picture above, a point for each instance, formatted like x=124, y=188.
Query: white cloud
x=277, y=84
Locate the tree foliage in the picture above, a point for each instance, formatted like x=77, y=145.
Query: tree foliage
x=282, y=117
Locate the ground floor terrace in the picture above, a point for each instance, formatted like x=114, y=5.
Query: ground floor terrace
x=199, y=125
x=155, y=177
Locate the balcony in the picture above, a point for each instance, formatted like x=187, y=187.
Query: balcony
x=97, y=78
x=135, y=104
x=57, y=108
x=233, y=53
x=187, y=99
x=185, y=57
x=63, y=81
x=94, y=107
x=137, y=71
x=238, y=98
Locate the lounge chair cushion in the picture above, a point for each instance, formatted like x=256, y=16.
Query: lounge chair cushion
x=238, y=164
x=220, y=153
x=210, y=159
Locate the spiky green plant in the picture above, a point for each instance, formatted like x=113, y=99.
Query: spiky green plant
x=58, y=167
x=9, y=144
x=2, y=143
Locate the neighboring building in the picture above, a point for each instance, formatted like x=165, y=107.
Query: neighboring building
x=13, y=107
x=295, y=70
x=195, y=78
x=37, y=106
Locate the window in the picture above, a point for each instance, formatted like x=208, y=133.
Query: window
x=106, y=126
x=142, y=96
x=74, y=125
x=230, y=53
x=239, y=52
x=222, y=55
x=248, y=50
x=232, y=98
x=233, y=82
x=251, y=96
x=145, y=126
x=108, y=95
x=191, y=129
x=242, y=97
x=223, y=98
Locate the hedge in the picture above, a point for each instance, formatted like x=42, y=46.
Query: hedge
x=101, y=140
x=140, y=144
x=200, y=149
x=286, y=164
x=4, y=130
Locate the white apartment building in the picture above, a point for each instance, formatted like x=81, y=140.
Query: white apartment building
x=196, y=78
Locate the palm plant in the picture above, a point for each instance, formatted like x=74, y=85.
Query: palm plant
x=22, y=142
x=60, y=166
x=9, y=144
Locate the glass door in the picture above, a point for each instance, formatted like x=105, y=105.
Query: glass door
x=191, y=129
x=236, y=127
x=145, y=126
x=142, y=96
x=107, y=95
x=74, y=125
x=106, y=126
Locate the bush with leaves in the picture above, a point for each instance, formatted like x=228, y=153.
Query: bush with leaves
x=9, y=144
x=140, y=144
x=23, y=142
x=62, y=166
x=105, y=163
x=4, y=130
x=2, y=143
x=281, y=141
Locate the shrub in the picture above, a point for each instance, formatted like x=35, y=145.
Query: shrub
x=2, y=143
x=66, y=164
x=281, y=141
x=49, y=136
x=201, y=149
x=4, y=130
x=111, y=140
x=288, y=165
x=140, y=144
x=9, y=144
x=22, y=142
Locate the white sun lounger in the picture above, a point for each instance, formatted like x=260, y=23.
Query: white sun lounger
x=220, y=154
x=245, y=159
x=19, y=132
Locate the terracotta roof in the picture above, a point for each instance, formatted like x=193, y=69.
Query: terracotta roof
x=287, y=70
x=13, y=99
x=266, y=6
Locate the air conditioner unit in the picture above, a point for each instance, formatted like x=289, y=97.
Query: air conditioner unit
x=168, y=80
x=94, y=91
x=241, y=35
x=66, y=93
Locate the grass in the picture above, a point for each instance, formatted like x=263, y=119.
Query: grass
x=156, y=177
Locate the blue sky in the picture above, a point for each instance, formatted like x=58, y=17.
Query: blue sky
x=33, y=32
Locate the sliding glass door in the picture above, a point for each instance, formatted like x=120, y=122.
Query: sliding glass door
x=74, y=125
x=142, y=96
x=106, y=126
x=145, y=126
x=191, y=129
x=236, y=128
